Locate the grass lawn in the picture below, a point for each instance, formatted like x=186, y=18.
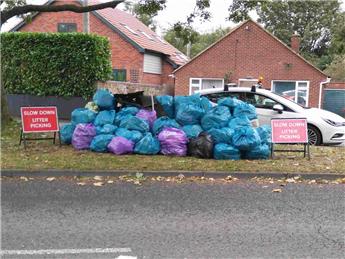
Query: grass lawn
x=45, y=155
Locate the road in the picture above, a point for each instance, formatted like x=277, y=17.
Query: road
x=165, y=220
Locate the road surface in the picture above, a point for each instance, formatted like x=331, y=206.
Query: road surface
x=59, y=219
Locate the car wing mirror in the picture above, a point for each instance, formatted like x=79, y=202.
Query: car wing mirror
x=278, y=108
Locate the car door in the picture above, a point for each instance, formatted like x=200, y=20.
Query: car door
x=264, y=108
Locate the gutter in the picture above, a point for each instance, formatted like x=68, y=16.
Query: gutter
x=321, y=88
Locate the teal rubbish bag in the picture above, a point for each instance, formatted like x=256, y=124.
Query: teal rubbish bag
x=246, y=138
x=106, y=129
x=164, y=122
x=218, y=117
x=189, y=114
x=223, y=135
x=167, y=103
x=148, y=145
x=135, y=123
x=104, y=99
x=224, y=151
x=100, y=143
x=132, y=135
x=192, y=131
x=260, y=152
x=105, y=117
x=182, y=100
x=264, y=132
x=83, y=115
x=66, y=133
x=125, y=113
x=230, y=102
x=245, y=109
x=205, y=103
x=239, y=122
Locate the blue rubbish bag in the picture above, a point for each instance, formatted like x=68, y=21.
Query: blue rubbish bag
x=83, y=115
x=189, y=114
x=245, y=138
x=66, y=133
x=230, y=102
x=205, y=103
x=100, y=143
x=167, y=102
x=182, y=100
x=132, y=135
x=218, y=117
x=104, y=99
x=106, y=129
x=148, y=145
x=264, y=132
x=224, y=151
x=192, y=131
x=245, y=109
x=260, y=152
x=125, y=113
x=223, y=135
x=105, y=117
x=135, y=123
x=239, y=122
x=162, y=123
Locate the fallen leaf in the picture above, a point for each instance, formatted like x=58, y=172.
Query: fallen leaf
x=290, y=180
x=49, y=179
x=110, y=181
x=265, y=186
x=277, y=190
x=81, y=183
x=271, y=181
x=98, y=178
x=137, y=182
x=202, y=178
x=297, y=177
x=180, y=176
x=98, y=184
x=24, y=178
x=312, y=182
x=229, y=178
x=211, y=179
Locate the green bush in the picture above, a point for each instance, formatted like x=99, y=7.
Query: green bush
x=58, y=64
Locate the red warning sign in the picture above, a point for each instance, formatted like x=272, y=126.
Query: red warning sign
x=39, y=119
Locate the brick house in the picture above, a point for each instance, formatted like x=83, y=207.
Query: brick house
x=244, y=54
x=138, y=54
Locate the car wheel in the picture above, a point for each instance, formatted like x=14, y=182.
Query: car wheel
x=314, y=135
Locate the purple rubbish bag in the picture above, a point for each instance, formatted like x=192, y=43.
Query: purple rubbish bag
x=149, y=116
x=173, y=142
x=83, y=135
x=120, y=146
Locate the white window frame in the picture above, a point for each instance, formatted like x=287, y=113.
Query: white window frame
x=200, y=82
x=296, y=87
x=147, y=55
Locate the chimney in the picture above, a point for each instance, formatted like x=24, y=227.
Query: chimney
x=295, y=40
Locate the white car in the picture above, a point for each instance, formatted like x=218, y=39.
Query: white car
x=324, y=127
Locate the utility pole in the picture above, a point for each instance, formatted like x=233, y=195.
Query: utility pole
x=86, y=19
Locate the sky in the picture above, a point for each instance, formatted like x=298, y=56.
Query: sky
x=178, y=10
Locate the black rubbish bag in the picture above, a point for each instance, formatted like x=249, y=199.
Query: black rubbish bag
x=202, y=146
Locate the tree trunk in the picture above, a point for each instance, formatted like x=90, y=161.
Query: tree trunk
x=5, y=115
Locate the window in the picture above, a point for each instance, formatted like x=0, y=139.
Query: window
x=67, y=27
x=197, y=84
x=292, y=90
x=120, y=75
x=214, y=97
x=152, y=64
x=259, y=101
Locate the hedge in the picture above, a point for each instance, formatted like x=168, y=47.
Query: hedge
x=58, y=64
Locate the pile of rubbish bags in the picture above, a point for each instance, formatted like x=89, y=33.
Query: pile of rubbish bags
x=191, y=125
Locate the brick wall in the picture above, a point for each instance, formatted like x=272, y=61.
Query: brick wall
x=335, y=85
x=126, y=87
x=249, y=51
x=123, y=54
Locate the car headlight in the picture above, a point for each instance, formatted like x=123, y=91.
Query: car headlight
x=334, y=123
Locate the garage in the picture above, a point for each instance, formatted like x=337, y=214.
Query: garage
x=334, y=101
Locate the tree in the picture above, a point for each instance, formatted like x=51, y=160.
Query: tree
x=180, y=37
x=136, y=10
x=336, y=70
x=312, y=20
